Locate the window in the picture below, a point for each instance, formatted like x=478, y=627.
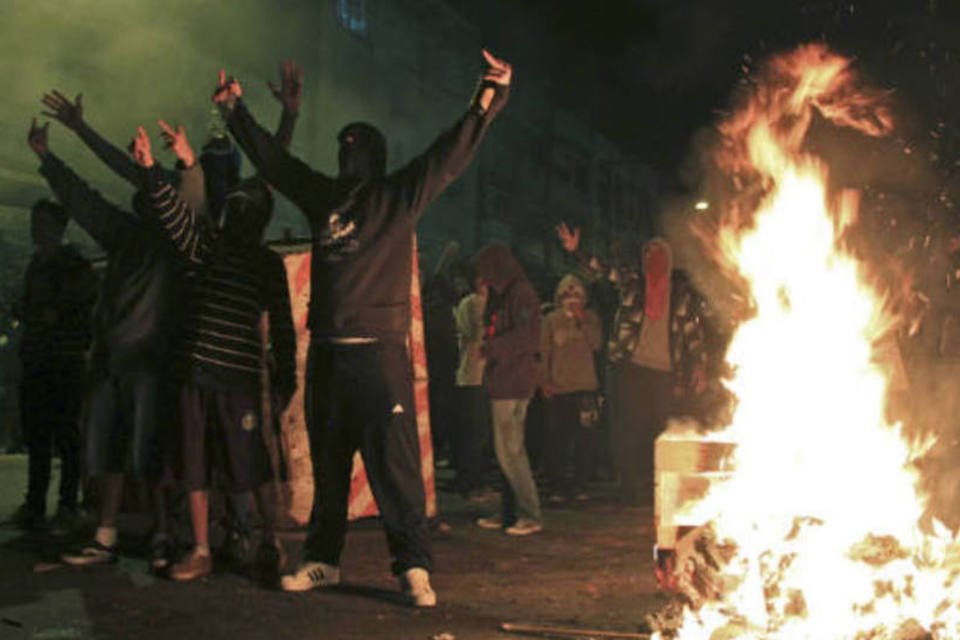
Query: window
x=352, y=14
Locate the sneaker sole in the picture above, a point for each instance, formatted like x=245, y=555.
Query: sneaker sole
x=519, y=533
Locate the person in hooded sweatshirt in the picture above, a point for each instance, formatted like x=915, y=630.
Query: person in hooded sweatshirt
x=359, y=381
x=134, y=323
x=236, y=278
x=570, y=335
x=658, y=351
x=59, y=290
x=511, y=346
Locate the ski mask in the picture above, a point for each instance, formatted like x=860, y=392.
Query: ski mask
x=363, y=152
x=247, y=211
x=221, y=172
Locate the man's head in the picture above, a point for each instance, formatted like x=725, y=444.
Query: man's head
x=247, y=211
x=363, y=152
x=497, y=267
x=48, y=221
x=221, y=171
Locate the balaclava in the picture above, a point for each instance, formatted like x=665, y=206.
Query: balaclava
x=247, y=211
x=221, y=172
x=363, y=152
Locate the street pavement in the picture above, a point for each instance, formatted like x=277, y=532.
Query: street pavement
x=591, y=568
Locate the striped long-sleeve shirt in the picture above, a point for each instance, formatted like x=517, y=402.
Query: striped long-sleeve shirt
x=231, y=286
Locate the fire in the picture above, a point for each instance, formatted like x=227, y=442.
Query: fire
x=822, y=510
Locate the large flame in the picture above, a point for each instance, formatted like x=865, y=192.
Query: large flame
x=822, y=508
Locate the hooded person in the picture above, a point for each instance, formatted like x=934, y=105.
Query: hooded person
x=570, y=336
x=359, y=381
x=657, y=350
x=134, y=323
x=235, y=279
x=511, y=344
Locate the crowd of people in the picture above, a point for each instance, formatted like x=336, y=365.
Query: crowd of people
x=159, y=365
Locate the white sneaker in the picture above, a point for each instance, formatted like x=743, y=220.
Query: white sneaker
x=493, y=522
x=311, y=575
x=415, y=584
x=524, y=527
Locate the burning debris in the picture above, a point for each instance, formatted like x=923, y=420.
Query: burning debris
x=813, y=530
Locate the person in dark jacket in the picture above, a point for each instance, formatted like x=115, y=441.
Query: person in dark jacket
x=359, y=380
x=59, y=290
x=236, y=279
x=134, y=323
x=511, y=349
x=658, y=351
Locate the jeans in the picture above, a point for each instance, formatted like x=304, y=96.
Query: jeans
x=569, y=438
x=520, y=497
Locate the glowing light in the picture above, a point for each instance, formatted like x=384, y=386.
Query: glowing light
x=822, y=509
x=702, y=205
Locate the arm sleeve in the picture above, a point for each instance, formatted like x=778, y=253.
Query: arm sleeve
x=120, y=162
x=192, y=188
x=178, y=219
x=284, y=134
x=524, y=335
x=291, y=176
x=417, y=184
x=102, y=220
x=283, y=339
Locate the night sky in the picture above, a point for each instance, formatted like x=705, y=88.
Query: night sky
x=650, y=73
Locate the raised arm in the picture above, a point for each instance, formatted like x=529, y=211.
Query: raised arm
x=289, y=175
x=570, y=239
x=418, y=183
x=71, y=115
x=103, y=221
x=290, y=95
x=177, y=218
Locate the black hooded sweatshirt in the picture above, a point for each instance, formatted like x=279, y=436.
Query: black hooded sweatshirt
x=362, y=229
x=138, y=311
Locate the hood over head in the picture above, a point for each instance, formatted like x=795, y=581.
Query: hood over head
x=48, y=221
x=221, y=161
x=656, y=258
x=570, y=287
x=497, y=266
x=247, y=211
x=363, y=152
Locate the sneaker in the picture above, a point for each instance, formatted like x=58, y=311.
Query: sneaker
x=90, y=554
x=524, y=527
x=192, y=567
x=311, y=575
x=163, y=549
x=556, y=498
x=493, y=522
x=415, y=584
x=269, y=561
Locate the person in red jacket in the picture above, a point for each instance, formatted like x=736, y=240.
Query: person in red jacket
x=511, y=347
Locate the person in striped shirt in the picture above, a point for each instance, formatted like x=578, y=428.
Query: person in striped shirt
x=234, y=279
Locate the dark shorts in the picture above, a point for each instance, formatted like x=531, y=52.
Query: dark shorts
x=128, y=417
x=222, y=429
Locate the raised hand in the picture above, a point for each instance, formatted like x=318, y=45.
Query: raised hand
x=176, y=139
x=569, y=238
x=140, y=148
x=290, y=91
x=227, y=92
x=497, y=71
x=37, y=138
x=69, y=113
